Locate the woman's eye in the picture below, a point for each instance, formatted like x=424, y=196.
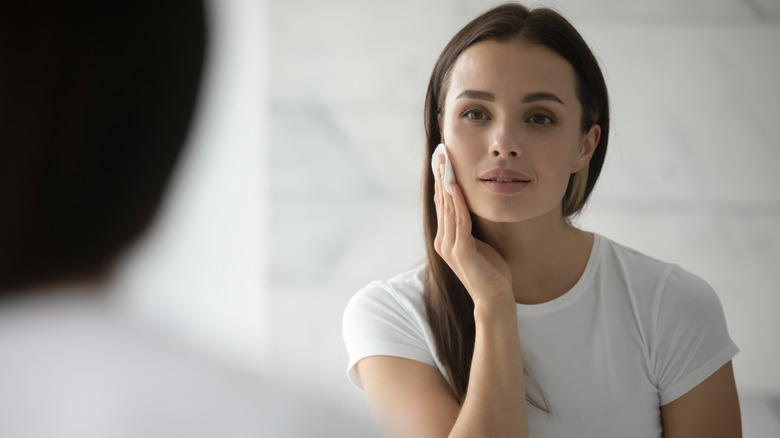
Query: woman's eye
x=474, y=115
x=540, y=119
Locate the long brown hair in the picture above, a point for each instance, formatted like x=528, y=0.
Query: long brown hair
x=448, y=305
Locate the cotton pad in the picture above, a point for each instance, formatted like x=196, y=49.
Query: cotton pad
x=449, y=174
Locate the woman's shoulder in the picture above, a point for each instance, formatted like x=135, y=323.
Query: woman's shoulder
x=645, y=268
x=659, y=289
x=630, y=258
x=680, y=316
x=402, y=292
x=388, y=318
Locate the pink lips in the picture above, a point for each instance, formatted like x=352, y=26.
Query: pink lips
x=504, y=181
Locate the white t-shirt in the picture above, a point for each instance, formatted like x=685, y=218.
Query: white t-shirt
x=633, y=334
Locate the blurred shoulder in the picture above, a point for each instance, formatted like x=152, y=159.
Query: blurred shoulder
x=402, y=292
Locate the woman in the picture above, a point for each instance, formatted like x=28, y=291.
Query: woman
x=520, y=324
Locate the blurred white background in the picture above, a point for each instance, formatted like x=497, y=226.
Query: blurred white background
x=301, y=182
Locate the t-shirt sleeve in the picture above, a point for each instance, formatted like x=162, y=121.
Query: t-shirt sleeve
x=691, y=340
x=378, y=323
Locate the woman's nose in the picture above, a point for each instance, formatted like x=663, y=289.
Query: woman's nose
x=505, y=142
x=501, y=152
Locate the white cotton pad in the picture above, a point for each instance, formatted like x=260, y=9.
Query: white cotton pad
x=449, y=174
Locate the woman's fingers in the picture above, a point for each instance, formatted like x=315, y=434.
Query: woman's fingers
x=462, y=220
x=453, y=219
x=437, y=200
x=448, y=213
x=445, y=233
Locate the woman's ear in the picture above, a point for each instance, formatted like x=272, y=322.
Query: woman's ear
x=589, y=143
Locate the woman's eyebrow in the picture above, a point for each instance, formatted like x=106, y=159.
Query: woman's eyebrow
x=475, y=94
x=528, y=98
x=536, y=97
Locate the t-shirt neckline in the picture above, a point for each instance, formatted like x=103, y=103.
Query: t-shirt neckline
x=575, y=290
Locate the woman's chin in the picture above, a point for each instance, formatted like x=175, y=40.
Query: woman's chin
x=501, y=216
x=512, y=214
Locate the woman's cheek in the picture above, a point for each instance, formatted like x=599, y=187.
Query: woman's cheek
x=463, y=148
x=463, y=166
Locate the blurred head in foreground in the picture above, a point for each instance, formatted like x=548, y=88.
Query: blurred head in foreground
x=95, y=103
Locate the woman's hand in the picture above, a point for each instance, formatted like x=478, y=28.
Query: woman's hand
x=413, y=399
x=478, y=265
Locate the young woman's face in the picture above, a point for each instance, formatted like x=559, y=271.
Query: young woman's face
x=512, y=126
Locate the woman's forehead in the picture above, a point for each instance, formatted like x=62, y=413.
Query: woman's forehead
x=512, y=69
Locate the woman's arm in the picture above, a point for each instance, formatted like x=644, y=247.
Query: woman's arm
x=412, y=399
x=409, y=398
x=711, y=409
x=495, y=403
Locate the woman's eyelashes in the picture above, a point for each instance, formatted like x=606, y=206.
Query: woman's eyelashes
x=540, y=119
x=474, y=114
x=480, y=115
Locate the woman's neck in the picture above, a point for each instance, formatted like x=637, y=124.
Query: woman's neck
x=546, y=255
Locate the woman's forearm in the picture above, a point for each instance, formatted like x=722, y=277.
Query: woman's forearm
x=495, y=403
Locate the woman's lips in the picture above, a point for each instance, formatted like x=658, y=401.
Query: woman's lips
x=504, y=181
x=504, y=188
